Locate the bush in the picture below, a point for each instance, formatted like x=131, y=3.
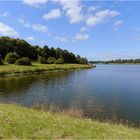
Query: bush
x=59, y=61
x=23, y=61
x=10, y=58
x=51, y=60
x=42, y=60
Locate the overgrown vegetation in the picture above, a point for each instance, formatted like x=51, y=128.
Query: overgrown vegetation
x=23, y=61
x=59, y=61
x=11, y=48
x=10, y=58
x=42, y=60
x=51, y=60
x=11, y=69
x=23, y=123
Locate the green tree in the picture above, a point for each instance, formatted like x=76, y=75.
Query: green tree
x=10, y=58
x=42, y=60
x=59, y=61
x=1, y=61
x=51, y=60
x=24, y=49
x=23, y=61
x=46, y=52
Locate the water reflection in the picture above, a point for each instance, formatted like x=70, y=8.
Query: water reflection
x=109, y=91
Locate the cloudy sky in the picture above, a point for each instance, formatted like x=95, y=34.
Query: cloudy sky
x=98, y=30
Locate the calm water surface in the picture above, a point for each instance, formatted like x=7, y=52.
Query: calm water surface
x=106, y=92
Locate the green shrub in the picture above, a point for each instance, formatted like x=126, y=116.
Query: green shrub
x=59, y=61
x=51, y=60
x=23, y=61
x=42, y=60
x=10, y=58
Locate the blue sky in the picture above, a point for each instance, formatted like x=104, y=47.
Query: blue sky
x=98, y=30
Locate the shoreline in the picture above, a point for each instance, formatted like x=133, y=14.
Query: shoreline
x=30, y=123
x=15, y=70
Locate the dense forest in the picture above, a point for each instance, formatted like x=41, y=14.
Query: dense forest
x=17, y=49
x=118, y=61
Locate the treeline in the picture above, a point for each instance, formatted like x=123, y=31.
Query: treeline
x=118, y=61
x=123, y=61
x=97, y=62
x=21, y=48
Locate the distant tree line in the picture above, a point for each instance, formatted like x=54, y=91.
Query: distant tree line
x=96, y=62
x=122, y=61
x=118, y=61
x=20, y=48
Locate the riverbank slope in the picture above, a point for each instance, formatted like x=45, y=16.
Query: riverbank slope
x=19, y=122
x=12, y=69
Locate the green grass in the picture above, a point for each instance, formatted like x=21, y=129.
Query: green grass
x=12, y=69
x=18, y=122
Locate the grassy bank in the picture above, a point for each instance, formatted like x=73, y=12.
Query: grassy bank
x=19, y=122
x=12, y=69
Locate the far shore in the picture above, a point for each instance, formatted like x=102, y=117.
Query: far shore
x=117, y=63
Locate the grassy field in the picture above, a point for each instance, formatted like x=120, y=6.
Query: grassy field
x=8, y=69
x=18, y=122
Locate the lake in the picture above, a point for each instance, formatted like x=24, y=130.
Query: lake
x=107, y=92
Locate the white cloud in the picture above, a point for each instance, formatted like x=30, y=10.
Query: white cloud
x=73, y=9
x=81, y=36
x=53, y=14
x=92, y=21
x=106, y=13
x=100, y=17
x=35, y=3
x=35, y=27
x=26, y=24
x=91, y=9
x=61, y=39
x=40, y=28
x=5, y=14
x=30, y=38
x=118, y=23
x=83, y=29
x=7, y=31
x=21, y=20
